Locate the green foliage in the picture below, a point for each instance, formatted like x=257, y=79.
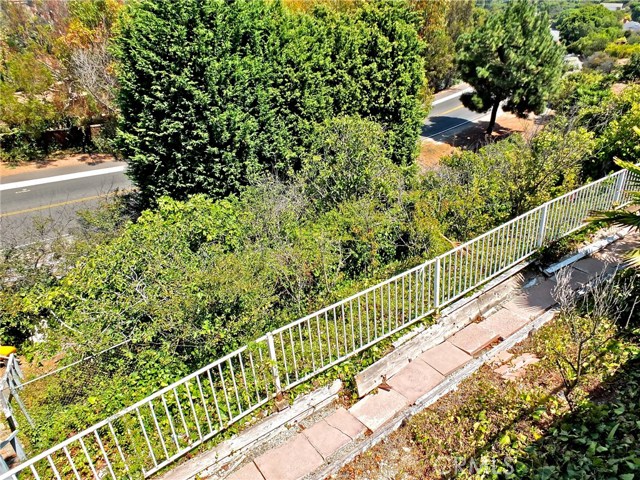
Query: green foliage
x=348, y=159
x=595, y=41
x=512, y=58
x=598, y=440
x=240, y=92
x=634, y=7
x=585, y=20
x=622, y=50
x=631, y=71
x=474, y=192
x=441, y=23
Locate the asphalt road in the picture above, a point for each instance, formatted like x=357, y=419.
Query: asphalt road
x=42, y=205
x=447, y=117
x=38, y=206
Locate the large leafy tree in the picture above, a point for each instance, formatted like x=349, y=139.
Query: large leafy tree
x=215, y=93
x=587, y=19
x=511, y=58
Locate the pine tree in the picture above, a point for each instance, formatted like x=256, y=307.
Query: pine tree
x=512, y=58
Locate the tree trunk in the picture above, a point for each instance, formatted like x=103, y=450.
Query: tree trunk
x=494, y=113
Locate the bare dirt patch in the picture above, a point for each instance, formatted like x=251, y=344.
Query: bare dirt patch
x=475, y=136
x=56, y=161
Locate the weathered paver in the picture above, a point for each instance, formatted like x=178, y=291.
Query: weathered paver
x=346, y=423
x=502, y=358
x=325, y=438
x=615, y=253
x=445, y=358
x=505, y=322
x=592, y=266
x=534, y=301
x=374, y=410
x=248, y=472
x=291, y=461
x=473, y=338
x=414, y=380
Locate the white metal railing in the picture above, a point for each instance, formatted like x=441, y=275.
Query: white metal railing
x=145, y=437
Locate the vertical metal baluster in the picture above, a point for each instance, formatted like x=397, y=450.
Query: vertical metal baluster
x=53, y=467
x=335, y=328
x=293, y=353
x=409, y=309
x=244, y=377
x=366, y=310
x=215, y=396
x=115, y=439
x=193, y=407
x=235, y=385
x=326, y=325
x=404, y=319
x=389, y=314
x=264, y=373
x=416, y=288
x=302, y=354
x=375, y=315
x=395, y=283
x=313, y=356
x=382, y=320
x=157, y=425
x=255, y=377
x=320, y=340
x=284, y=358
x=226, y=394
x=204, y=403
x=344, y=329
x=35, y=472
x=92, y=466
x=72, y=463
x=174, y=434
x=360, y=320
x=353, y=330
x=184, y=422
x=104, y=454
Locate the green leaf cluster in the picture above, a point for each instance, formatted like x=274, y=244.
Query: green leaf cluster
x=213, y=94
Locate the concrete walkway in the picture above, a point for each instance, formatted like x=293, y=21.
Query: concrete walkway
x=310, y=449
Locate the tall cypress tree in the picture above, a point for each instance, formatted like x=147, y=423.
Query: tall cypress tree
x=512, y=58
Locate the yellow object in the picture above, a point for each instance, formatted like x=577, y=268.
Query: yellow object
x=6, y=351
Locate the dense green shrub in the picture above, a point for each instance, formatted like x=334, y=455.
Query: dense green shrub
x=584, y=20
x=631, y=71
x=238, y=93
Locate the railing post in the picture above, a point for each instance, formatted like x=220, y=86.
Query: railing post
x=543, y=225
x=620, y=186
x=274, y=363
x=436, y=288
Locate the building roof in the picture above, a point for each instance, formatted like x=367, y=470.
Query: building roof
x=612, y=6
x=631, y=27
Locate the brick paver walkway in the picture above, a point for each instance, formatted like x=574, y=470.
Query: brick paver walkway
x=307, y=450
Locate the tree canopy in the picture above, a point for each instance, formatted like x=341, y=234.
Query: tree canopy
x=584, y=20
x=213, y=94
x=511, y=58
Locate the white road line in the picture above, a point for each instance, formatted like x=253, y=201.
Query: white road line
x=453, y=95
x=61, y=178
